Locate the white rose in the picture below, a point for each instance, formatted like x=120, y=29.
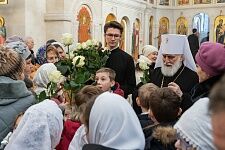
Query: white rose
x=89, y=42
x=95, y=42
x=84, y=45
x=55, y=76
x=78, y=46
x=81, y=62
x=67, y=39
x=143, y=65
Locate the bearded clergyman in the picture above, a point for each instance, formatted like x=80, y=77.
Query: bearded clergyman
x=175, y=64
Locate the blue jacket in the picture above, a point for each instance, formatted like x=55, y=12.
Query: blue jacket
x=14, y=98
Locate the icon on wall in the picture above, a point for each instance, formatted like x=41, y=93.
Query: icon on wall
x=219, y=25
x=163, y=28
x=3, y=1
x=182, y=25
x=202, y=1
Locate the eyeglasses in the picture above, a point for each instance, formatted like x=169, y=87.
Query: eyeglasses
x=116, y=36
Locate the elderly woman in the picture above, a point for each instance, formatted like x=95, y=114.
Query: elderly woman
x=210, y=61
x=14, y=96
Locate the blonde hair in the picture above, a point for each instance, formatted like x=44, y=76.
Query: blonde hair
x=11, y=63
x=112, y=73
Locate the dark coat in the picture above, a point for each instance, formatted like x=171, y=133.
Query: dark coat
x=14, y=99
x=194, y=44
x=200, y=90
x=186, y=79
x=123, y=64
x=145, y=120
x=160, y=137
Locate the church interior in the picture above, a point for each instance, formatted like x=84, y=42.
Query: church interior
x=143, y=20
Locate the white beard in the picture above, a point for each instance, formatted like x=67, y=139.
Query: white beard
x=170, y=71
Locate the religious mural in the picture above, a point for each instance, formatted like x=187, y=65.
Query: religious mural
x=202, y=1
x=84, y=29
x=110, y=17
x=220, y=1
x=181, y=26
x=2, y=31
x=123, y=37
x=150, y=29
x=219, y=25
x=135, y=39
x=182, y=2
x=164, y=2
x=163, y=28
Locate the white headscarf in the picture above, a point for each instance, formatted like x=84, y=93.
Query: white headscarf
x=176, y=44
x=148, y=49
x=113, y=123
x=41, y=79
x=40, y=128
x=195, y=127
x=79, y=139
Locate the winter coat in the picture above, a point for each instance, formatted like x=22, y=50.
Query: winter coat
x=14, y=98
x=70, y=127
x=117, y=90
x=160, y=137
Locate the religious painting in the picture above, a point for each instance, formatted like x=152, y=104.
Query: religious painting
x=123, y=37
x=182, y=2
x=150, y=29
x=85, y=21
x=151, y=1
x=219, y=26
x=3, y=1
x=135, y=39
x=163, y=28
x=202, y=1
x=110, y=17
x=182, y=26
x=164, y=2
x=2, y=31
x=220, y=1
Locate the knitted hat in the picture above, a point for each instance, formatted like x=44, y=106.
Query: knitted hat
x=20, y=48
x=148, y=49
x=11, y=63
x=211, y=58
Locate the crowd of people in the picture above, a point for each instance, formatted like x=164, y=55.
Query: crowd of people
x=181, y=107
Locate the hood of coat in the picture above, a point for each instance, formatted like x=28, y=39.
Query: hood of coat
x=12, y=90
x=166, y=134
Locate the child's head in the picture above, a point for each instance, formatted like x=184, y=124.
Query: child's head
x=67, y=112
x=105, y=78
x=164, y=105
x=81, y=98
x=144, y=95
x=17, y=120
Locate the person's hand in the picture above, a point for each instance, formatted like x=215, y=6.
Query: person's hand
x=173, y=86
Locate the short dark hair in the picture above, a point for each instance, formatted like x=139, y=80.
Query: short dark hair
x=113, y=24
x=217, y=97
x=165, y=105
x=194, y=30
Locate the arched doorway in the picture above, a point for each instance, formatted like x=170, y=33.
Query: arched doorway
x=85, y=21
x=123, y=43
x=136, y=38
x=2, y=30
x=201, y=23
x=150, y=29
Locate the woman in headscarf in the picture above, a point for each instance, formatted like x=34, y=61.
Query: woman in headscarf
x=111, y=122
x=39, y=129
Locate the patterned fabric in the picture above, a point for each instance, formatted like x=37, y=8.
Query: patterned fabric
x=39, y=129
x=40, y=56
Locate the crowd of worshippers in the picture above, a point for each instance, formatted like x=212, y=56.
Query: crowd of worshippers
x=182, y=107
